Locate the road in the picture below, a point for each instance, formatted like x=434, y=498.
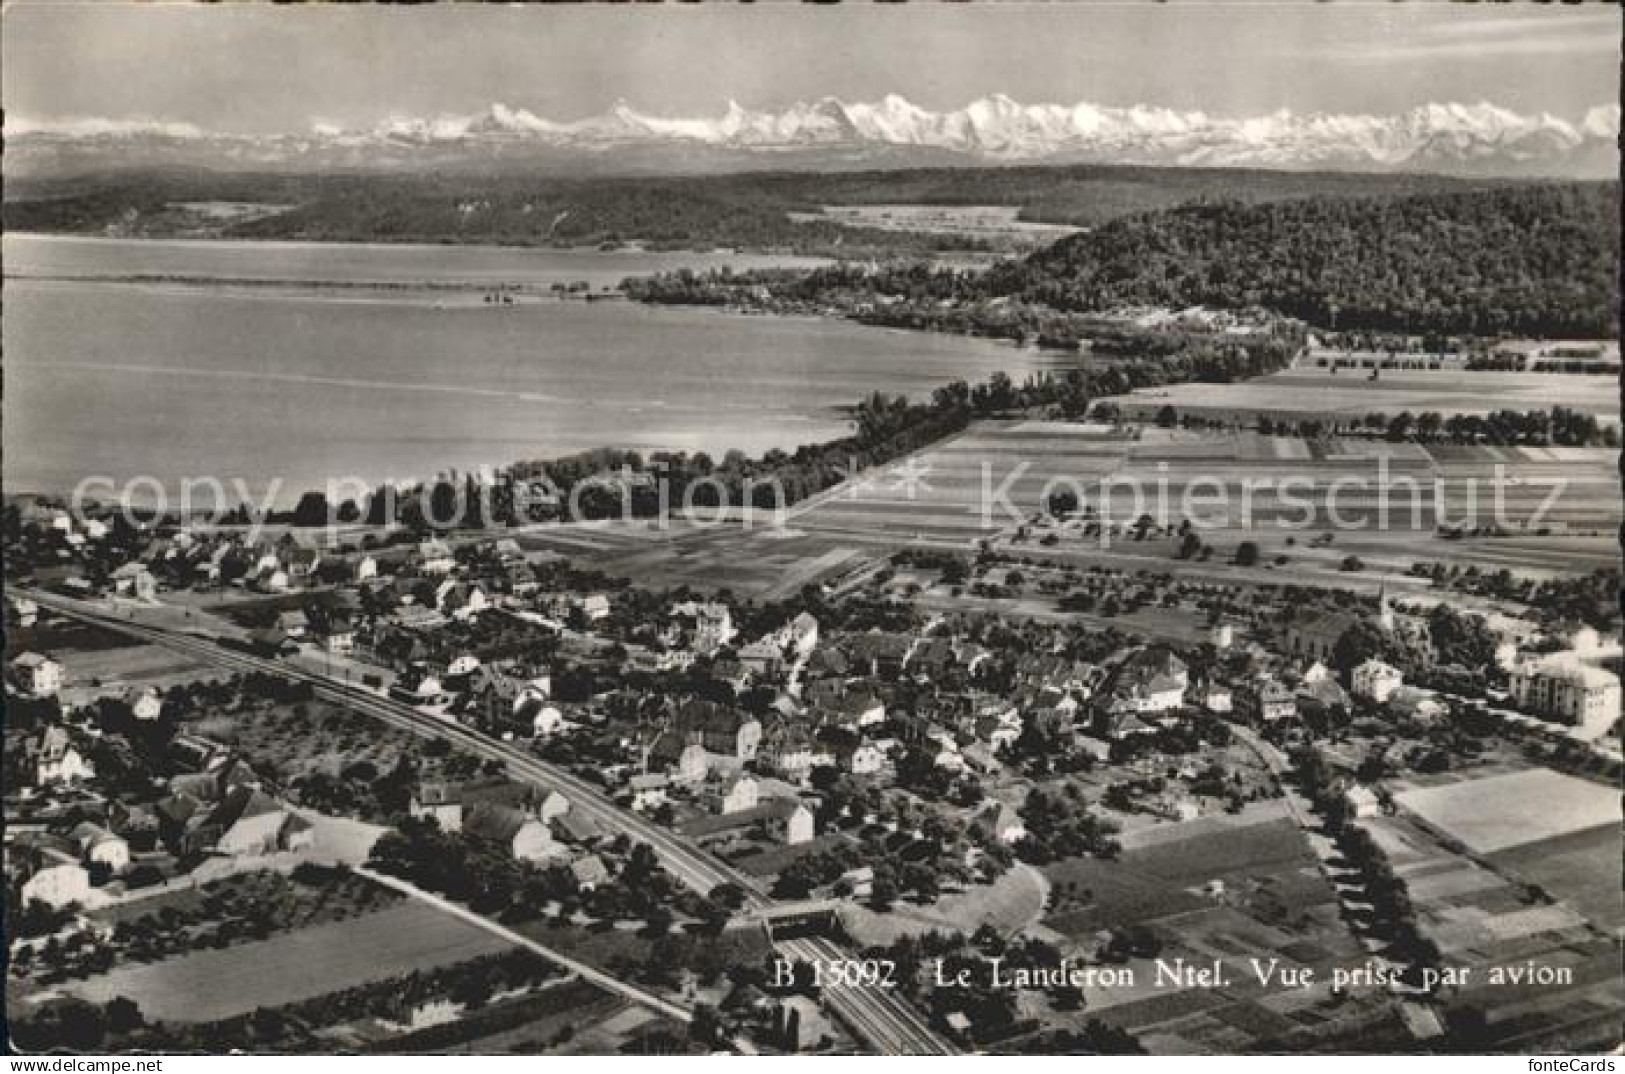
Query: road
x=882, y=1019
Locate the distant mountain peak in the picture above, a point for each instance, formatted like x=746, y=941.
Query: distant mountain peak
x=1444, y=136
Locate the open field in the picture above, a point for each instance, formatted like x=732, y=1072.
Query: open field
x=1161, y=872
x=1486, y=918
x=1275, y=905
x=1284, y=493
x=1383, y=502
x=1307, y=394
x=1505, y=811
x=1009, y=904
x=210, y=985
x=1581, y=868
x=103, y=671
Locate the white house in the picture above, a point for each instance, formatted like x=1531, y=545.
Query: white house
x=1563, y=688
x=547, y=722
x=466, y=664
x=800, y=826
x=147, y=705
x=37, y=675
x=864, y=760
x=1376, y=681
x=738, y=794
x=98, y=845
x=56, y=880
x=648, y=790
x=693, y=763
x=434, y=557
x=1362, y=802
x=1004, y=823
x=59, y=760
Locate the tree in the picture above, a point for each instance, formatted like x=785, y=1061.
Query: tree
x=123, y=1015
x=706, y=1026
x=1247, y=554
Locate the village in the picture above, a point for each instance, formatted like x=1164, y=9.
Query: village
x=894, y=761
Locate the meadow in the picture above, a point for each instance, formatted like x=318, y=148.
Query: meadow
x=210, y=985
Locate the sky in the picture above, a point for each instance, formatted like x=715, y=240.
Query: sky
x=252, y=68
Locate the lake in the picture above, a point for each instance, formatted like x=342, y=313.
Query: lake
x=299, y=385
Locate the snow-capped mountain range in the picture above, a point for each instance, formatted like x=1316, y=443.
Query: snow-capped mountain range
x=1476, y=139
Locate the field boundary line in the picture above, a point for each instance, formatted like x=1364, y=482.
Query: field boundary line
x=596, y=976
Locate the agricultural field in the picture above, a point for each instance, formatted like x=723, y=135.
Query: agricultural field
x=210, y=985
x=1274, y=903
x=107, y=670
x=755, y=559
x=1510, y=810
x=1313, y=394
x=1581, y=869
x=1550, y=903
x=1309, y=505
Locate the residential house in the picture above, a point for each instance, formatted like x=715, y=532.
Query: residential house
x=800, y=634
x=1265, y=700
x=49, y=875
x=434, y=557
x=862, y=759
x=786, y=749
x=1414, y=703
x=523, y=836
x=764, y=657
x=720, y=729
x=135, y=581
x=702, y=627
x=878, y=654
x=1376, y=681
x=797, y=826
x=37, y=675
x=859, y=710
x=147, y=705
x=1149, y=681
x=1003, y=822
x=1362, y=802
x=58, y=760
x=97, y=845
x=337, y=635
x=589, y=872
x=576, y=828
x=736, y=794
x=648, y=790
x=440, y=801
x=1563, y=688
x=693, y=763
x=1322, y=699
x=248, y=822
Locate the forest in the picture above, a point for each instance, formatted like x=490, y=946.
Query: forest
x=1534, y=260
